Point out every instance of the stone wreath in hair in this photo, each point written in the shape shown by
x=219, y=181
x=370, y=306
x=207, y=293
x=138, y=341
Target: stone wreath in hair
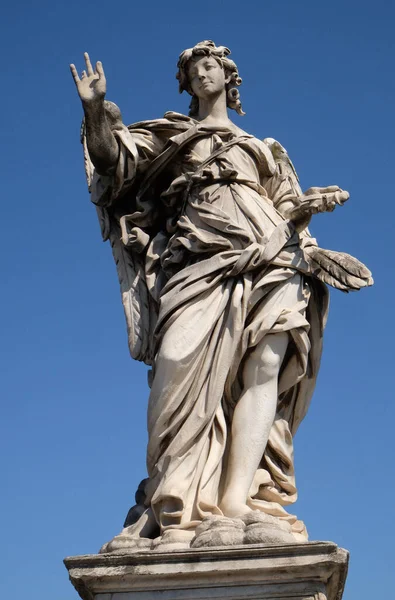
x=220, y=53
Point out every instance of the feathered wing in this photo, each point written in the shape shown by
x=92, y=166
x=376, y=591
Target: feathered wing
x=136, y=300
x=140, y=309
x=337, y=269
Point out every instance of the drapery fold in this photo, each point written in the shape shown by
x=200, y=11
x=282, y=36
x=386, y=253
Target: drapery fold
x=225, y=269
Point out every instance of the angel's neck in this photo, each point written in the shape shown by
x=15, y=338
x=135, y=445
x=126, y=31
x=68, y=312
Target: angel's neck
x=213, y=111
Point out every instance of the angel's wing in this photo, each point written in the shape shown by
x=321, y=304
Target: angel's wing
x=338, y=269
x=140, y=309
x=89, y=168
x=136, y=300
x=285, y=169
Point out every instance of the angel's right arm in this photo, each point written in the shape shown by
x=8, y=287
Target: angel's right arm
x=102, y=145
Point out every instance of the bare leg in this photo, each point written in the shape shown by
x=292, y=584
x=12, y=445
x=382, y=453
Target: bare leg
x=252, y=420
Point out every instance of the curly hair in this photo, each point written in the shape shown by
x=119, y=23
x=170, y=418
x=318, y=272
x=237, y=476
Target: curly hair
x=220, y=53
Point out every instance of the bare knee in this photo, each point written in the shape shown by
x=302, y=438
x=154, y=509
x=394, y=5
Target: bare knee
x=264, y=362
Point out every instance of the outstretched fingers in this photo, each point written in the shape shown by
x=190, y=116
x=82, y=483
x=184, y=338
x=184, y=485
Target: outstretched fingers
x=88, y=63
x=88, y=72
x=100, y=70
x=74, y=73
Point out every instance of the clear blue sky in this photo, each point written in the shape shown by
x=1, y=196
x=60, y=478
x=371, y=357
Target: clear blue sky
x=319, y=77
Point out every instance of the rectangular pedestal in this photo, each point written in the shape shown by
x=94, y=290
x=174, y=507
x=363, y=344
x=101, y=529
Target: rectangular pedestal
x=311, y=571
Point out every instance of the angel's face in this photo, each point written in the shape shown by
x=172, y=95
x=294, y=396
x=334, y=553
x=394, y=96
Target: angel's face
x=206, y=77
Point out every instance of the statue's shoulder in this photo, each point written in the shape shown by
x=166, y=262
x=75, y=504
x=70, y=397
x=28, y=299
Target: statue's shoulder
x=171, y=121
x=261, y=150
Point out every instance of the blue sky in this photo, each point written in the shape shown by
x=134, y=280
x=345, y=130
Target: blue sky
x=316, y=76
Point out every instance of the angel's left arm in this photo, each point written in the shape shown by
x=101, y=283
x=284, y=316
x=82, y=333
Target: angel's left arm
x=337, y=269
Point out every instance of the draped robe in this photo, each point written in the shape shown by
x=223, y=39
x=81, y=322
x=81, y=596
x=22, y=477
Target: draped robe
x=224, y=269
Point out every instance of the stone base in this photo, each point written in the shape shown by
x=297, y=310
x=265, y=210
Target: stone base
x=309, y=571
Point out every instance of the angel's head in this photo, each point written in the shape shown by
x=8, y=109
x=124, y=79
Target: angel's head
x=205, y=69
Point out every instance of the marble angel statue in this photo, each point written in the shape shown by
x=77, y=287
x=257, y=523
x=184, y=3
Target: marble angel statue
x=225, y=296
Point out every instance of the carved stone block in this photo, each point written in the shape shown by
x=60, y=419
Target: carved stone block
x=309, y=571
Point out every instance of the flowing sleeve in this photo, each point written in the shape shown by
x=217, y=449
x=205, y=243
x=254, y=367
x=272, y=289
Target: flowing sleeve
x=137, y=148
x=338, y=269
x=283, y=187
x=114, y=195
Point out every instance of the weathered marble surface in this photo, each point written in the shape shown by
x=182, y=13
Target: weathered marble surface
x=311, y=571
x=225, y=296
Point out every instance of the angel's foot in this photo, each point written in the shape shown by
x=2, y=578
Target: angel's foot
x=253, y=527
x=261, y=528
x=217, y=530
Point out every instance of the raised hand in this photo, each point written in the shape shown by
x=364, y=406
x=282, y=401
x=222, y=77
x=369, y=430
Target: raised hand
x=102, y=146
x=91, y=86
